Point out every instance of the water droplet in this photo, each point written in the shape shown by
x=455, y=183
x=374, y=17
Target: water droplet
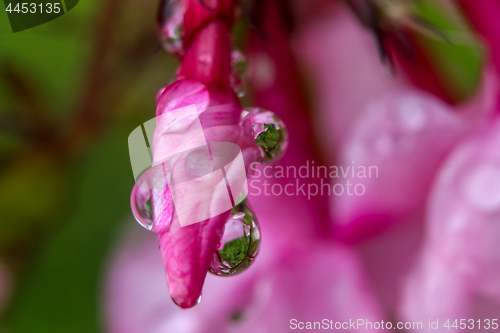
x=412, y=115
x=179, y=305
x=239, y=244
x=170, y=22
x=239, y=77
x=481, y=188
x=268, y=131
x=205, y=59
x=142, y=208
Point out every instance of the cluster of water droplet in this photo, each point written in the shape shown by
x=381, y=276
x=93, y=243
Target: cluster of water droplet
x=241, y=238
x=268, y=131
x=239, y=244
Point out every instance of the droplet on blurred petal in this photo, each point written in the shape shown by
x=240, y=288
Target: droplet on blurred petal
x=481, y=188
x=239, y=244
x=142, y=208
x=268, y=131
x=170, y=22
x=239, y=78
x=198, y=301
x=412, y=116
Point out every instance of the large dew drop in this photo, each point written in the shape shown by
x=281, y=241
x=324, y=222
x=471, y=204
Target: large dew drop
x=140, y=202
x=239, y=244
x=170, y=22
x=268, y=131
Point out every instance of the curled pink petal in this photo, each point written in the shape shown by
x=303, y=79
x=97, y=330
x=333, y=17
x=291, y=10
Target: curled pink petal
x=183, y=93
x=187, y=251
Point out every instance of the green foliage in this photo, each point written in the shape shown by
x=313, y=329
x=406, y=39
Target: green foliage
x=239, y=253
x=460, y=59
x=270, y=140
x=235, y=251
x=148, y=206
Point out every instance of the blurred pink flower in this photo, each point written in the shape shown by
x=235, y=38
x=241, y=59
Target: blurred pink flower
x=364, y=118
x=371, y=119
x=346, y=73
x=297, y=272
x=307, y=281
x=461, y=255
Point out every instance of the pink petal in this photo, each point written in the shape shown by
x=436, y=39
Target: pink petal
x=183, y=93
x=399, y=142
x=461, y=256
x=188, y=251
x=483, y=15
x=343, y=84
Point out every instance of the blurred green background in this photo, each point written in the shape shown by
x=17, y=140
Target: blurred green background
x=71, y=91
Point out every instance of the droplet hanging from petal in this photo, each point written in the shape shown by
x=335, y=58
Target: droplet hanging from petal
x=140, y=202
x=170, y=26
x=239, y=244
x=268, y=131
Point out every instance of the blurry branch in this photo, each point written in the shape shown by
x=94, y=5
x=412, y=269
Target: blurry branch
x=89, y=118
x=25, y=92
x=44, y=169
x=33, y=111
x=120, y=52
